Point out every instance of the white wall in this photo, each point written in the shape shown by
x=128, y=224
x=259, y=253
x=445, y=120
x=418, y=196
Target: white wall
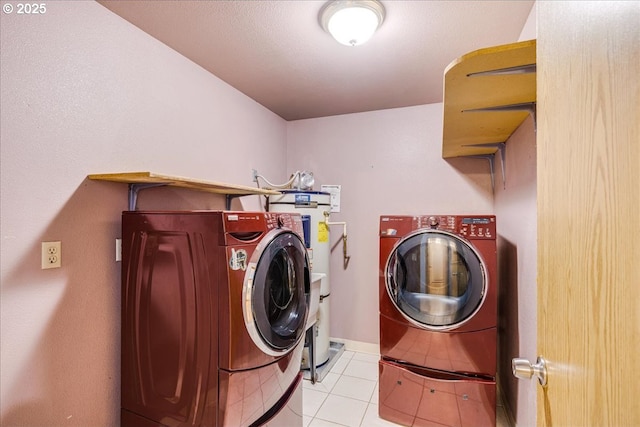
x=388, y=162
x=83, y=91
x=516, y=210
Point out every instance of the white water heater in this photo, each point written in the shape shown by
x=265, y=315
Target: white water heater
x=314, y=206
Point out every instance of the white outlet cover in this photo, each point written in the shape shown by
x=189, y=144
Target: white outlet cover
x=118, y=250
x=51, y=255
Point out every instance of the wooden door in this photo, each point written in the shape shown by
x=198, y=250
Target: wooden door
x=589, y=212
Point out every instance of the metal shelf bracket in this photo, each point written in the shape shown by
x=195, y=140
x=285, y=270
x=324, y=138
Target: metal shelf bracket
x=518, y=69
x=502, y=148
x=228, y=199
x=135, y=188
x=530, y=107
x=142, y=180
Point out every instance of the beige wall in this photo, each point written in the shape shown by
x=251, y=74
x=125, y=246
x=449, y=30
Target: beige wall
x=82, y=92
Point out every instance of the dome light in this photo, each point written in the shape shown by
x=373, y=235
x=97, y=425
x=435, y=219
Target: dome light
x=352, y=22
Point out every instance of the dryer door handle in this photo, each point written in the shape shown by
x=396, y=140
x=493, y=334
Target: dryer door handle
x=392, y=286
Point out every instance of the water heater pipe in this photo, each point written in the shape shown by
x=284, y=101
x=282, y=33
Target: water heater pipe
x=345, y=257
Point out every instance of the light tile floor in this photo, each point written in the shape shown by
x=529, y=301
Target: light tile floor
x=348, y=395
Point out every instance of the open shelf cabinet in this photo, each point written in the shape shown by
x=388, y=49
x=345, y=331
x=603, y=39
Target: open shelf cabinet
x=140, y=180
x=488, y=93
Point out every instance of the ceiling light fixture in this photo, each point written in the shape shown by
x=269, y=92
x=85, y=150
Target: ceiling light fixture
x=352, y=22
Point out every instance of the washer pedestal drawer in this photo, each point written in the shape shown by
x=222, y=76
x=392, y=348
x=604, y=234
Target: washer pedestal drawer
x=415, y=396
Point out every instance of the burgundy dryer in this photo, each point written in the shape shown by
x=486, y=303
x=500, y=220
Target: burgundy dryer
x=438, y=320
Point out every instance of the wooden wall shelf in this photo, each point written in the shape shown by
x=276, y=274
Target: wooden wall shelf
x=488, y=93
x=141, y=180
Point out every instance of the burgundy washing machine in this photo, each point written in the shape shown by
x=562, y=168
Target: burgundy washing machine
x=438, y=320
x=214, y=307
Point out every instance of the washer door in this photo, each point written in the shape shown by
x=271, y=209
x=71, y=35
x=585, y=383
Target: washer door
x=436, y=279
x=276, y=292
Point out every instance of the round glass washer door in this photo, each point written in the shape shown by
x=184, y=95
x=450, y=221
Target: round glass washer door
x=436, y=279
x=275, y=292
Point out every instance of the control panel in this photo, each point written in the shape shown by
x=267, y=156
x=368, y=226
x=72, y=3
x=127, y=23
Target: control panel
x=467, y=226
x=244, y=222
x=260, y=222
x=470, y=227
x=292, y=221
x=398, y=225
x=477, y=227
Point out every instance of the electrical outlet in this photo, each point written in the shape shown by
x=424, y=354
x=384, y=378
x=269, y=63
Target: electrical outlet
x=254, y=175
x=51, y=255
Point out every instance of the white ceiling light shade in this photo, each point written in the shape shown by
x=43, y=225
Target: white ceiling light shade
x=352, y=22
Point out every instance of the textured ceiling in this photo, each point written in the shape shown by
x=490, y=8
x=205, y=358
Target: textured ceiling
x=276, y=52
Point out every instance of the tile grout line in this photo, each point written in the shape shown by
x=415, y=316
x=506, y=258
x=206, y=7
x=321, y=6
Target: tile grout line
x=368, y=404
x=341, y=375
